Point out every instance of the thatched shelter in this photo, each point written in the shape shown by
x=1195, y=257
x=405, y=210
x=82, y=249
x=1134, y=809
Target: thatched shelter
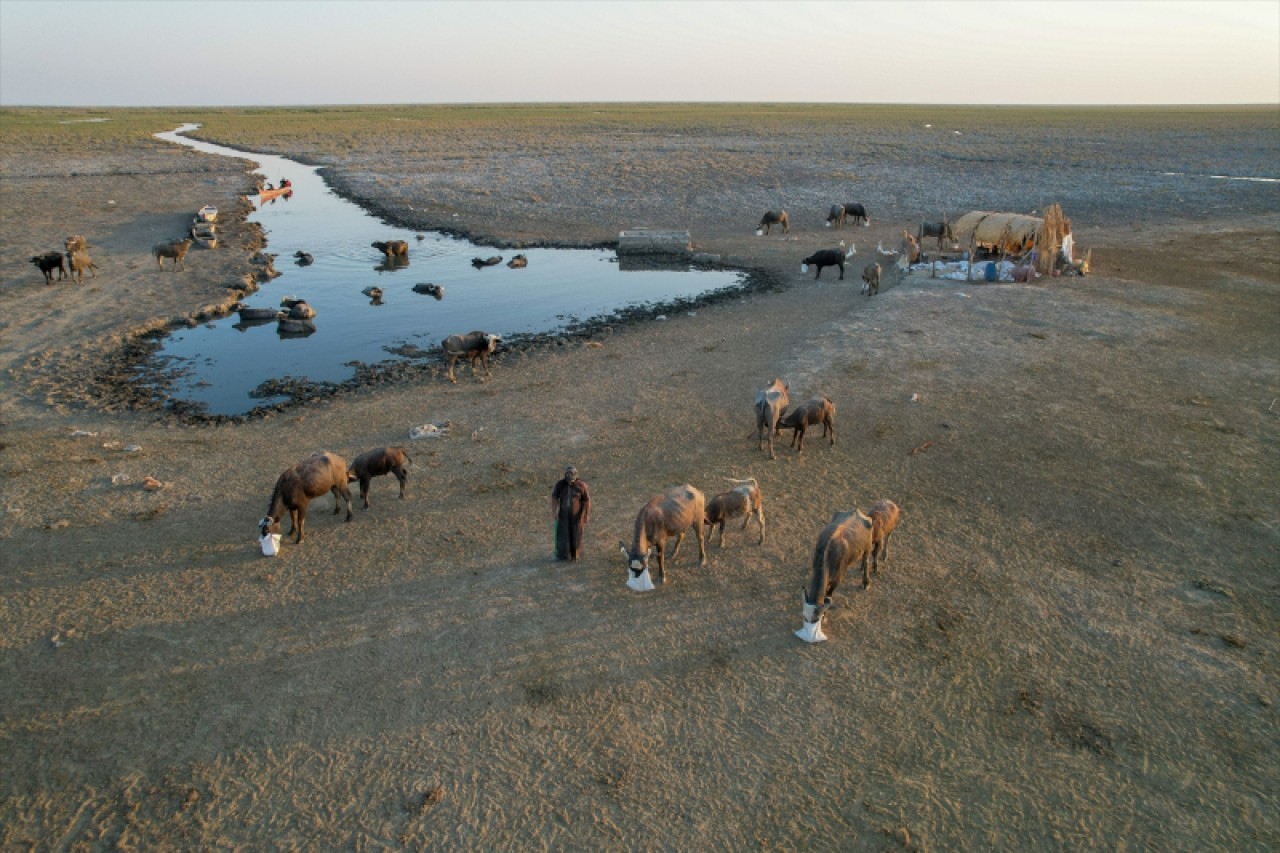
x=1015, y=234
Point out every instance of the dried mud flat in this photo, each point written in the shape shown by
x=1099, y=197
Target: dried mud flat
x=1073, y=645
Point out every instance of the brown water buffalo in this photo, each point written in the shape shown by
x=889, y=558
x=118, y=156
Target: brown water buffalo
x=819, y=410
x=884, y=517
x=871, y=279
x=673, y=513
x=843, y=542
x=391, y=247
x=771, y=402
x=77, y=263
x=376, y=463
x=744, y=501
x=771, y=218
x=176, y=251
x=310, y=478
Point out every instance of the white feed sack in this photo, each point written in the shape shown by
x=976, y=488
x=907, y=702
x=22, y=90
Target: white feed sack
x=270, y=544
x=643, y=583
x=812, y=630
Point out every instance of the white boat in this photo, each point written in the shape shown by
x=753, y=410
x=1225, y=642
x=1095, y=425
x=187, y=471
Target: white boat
x=208, y=213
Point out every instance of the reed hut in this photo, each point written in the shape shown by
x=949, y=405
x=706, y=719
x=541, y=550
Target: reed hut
x=1015, y=234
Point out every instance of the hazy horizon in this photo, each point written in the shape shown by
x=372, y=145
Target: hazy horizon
x=299, y=53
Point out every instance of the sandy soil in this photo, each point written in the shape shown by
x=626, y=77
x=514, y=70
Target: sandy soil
x=1073, y=646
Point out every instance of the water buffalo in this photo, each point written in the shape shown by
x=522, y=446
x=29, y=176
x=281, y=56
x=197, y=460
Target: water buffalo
x=819, y=410
x=884, y=517
x=854, y=213
x=771, y=218
x=303, y=259
x=518, y=262
x=475, y=346
x=391, y=247
x=77, y=263
x=481, y=263
x=825, y=258
x=310, y=478
x=674, y=513
x=177, y=251
x=843, y=542
x=941, y=230
x=376, y=463
x=871, y=279
x=771, y=402
x=47, y=263
x=745, y=500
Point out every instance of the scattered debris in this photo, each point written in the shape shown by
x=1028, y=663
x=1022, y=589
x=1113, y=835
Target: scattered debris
x=430, y=430
x=82, y=433
x=922, y=448
x=151, y=484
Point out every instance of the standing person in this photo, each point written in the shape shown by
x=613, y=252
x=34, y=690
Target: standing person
x=571, y=510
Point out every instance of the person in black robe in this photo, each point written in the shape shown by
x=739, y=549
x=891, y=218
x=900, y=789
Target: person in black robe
x=571, y=510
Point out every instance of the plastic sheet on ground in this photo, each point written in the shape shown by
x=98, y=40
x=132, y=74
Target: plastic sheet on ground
x=959, y=270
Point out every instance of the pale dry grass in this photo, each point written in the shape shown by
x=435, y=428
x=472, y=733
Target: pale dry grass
x=1072, y=645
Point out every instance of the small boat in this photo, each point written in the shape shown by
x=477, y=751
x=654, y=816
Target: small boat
x=251, y=314
x=265, y=194
x=205, y=234
x=208, y=213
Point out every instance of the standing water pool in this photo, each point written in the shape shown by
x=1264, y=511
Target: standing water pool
x=229, y=367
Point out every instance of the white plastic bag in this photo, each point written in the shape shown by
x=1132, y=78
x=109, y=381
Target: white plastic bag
x=643, y=583
x=812, y=632
x=270, y=544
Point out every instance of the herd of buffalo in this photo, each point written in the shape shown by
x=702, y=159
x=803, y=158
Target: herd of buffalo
x=851, y=537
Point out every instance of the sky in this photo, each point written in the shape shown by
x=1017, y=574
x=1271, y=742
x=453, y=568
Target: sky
x=300, y=52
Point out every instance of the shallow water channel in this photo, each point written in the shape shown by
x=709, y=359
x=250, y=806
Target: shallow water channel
x=221, y=367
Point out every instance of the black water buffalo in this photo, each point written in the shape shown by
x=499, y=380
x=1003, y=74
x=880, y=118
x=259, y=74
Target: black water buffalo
x=826, y=258
x=47, y=263
x=473, y=346
x=941, y=230
x=851, y=212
